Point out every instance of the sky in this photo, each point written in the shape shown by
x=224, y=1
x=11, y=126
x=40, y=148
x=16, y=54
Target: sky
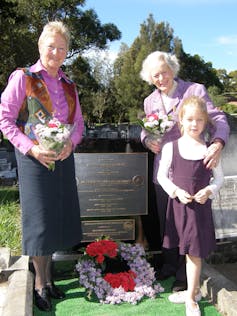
x=205, y=27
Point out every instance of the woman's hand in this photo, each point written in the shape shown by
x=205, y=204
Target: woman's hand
x=45, y=157
x=213, y=154
x=153, y=145
x=183, y=196
x=202, y=195
x=66, y=151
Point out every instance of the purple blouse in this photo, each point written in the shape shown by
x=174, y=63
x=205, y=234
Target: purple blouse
x=14, y=95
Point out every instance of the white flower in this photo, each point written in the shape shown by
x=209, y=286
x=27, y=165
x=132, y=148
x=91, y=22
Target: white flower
x=52, y=135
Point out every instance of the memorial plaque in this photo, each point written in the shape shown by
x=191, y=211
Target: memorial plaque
x=112, y=184
x=118, y=229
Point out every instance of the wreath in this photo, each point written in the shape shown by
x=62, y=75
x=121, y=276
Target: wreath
x=117, y=272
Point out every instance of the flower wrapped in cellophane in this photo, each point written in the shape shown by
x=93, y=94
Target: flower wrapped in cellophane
x=52, y=135
x=156, y=124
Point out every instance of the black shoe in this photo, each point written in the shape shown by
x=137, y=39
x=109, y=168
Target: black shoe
x=54, y=291
x=42, y=301
x=179, y=286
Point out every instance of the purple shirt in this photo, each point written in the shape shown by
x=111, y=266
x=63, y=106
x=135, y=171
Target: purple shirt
x=14, y=95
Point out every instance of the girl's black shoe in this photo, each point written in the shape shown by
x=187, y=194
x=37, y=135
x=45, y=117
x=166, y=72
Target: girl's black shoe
x=42, y=301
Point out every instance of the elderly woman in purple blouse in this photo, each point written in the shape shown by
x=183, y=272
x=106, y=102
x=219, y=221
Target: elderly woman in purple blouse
x=160, y=69
x=49, y=199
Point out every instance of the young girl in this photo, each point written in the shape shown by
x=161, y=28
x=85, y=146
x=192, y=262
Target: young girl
x=189, y=223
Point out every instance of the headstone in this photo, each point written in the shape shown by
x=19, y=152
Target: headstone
x=225, y=203
x=112, y=189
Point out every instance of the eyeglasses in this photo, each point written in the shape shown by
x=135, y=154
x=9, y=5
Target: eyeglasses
x=51, y=48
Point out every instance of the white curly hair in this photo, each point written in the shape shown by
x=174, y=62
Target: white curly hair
x=153, y=59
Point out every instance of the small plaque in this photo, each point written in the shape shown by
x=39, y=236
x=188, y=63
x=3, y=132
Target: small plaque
x=112, y=184
x=119, y=229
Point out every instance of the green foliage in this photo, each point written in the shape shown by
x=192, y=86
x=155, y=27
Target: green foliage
x=133, y=115
x=11, y=36
x=194, y=68
x=130, y=90
x=217, y=98
x=80, y=72
x=21, y=23
x=109, y=94
x=225, y=79
x=233, y=81
x=221, y=100
x=229, y=108
x=10, y=224
x=9, y=194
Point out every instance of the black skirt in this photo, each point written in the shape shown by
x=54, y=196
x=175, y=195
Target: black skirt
x=49, y=205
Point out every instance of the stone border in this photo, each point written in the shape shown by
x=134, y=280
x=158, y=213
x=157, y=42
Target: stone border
x=221, y=291
x=19, y=296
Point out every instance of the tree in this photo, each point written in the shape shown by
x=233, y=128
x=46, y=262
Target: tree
x=233, y=81
x=217, y=98
x=99, y=105
x=194, y=68
x=23, y=23
x=130, y=90
x=10, y=38
x=80, y=72
x=225, y=79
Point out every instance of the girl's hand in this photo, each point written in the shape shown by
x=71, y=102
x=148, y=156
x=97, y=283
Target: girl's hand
x=202, y=195
x=45, y=157
x=183, y=196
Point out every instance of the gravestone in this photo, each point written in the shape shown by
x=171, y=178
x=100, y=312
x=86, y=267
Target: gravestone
x=112, y=190
x=225, y=203
x=8, y=175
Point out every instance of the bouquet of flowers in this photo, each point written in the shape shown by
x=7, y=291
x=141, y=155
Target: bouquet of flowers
x=117, y=272
x=156, y=124
x=52, y=136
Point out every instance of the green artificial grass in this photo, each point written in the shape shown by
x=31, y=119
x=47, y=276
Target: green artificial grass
x=76, y=304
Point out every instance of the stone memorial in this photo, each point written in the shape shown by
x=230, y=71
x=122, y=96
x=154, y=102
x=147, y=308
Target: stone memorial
x=8, y=170
x=112, y=190
x=225, y=203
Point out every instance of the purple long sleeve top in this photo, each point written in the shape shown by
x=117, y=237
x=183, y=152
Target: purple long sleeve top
x=14, y=95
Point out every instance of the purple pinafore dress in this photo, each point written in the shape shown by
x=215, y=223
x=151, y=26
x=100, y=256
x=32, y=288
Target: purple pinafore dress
x=189, y=227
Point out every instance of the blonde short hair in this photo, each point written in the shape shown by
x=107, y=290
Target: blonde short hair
x=196, y=102
x=153, y=59
x=55, y=27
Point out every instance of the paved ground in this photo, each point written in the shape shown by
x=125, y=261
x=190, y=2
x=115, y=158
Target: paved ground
x=229, y=270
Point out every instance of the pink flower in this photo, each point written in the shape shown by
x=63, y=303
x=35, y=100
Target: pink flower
x=51, y=125
x=152, y=117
